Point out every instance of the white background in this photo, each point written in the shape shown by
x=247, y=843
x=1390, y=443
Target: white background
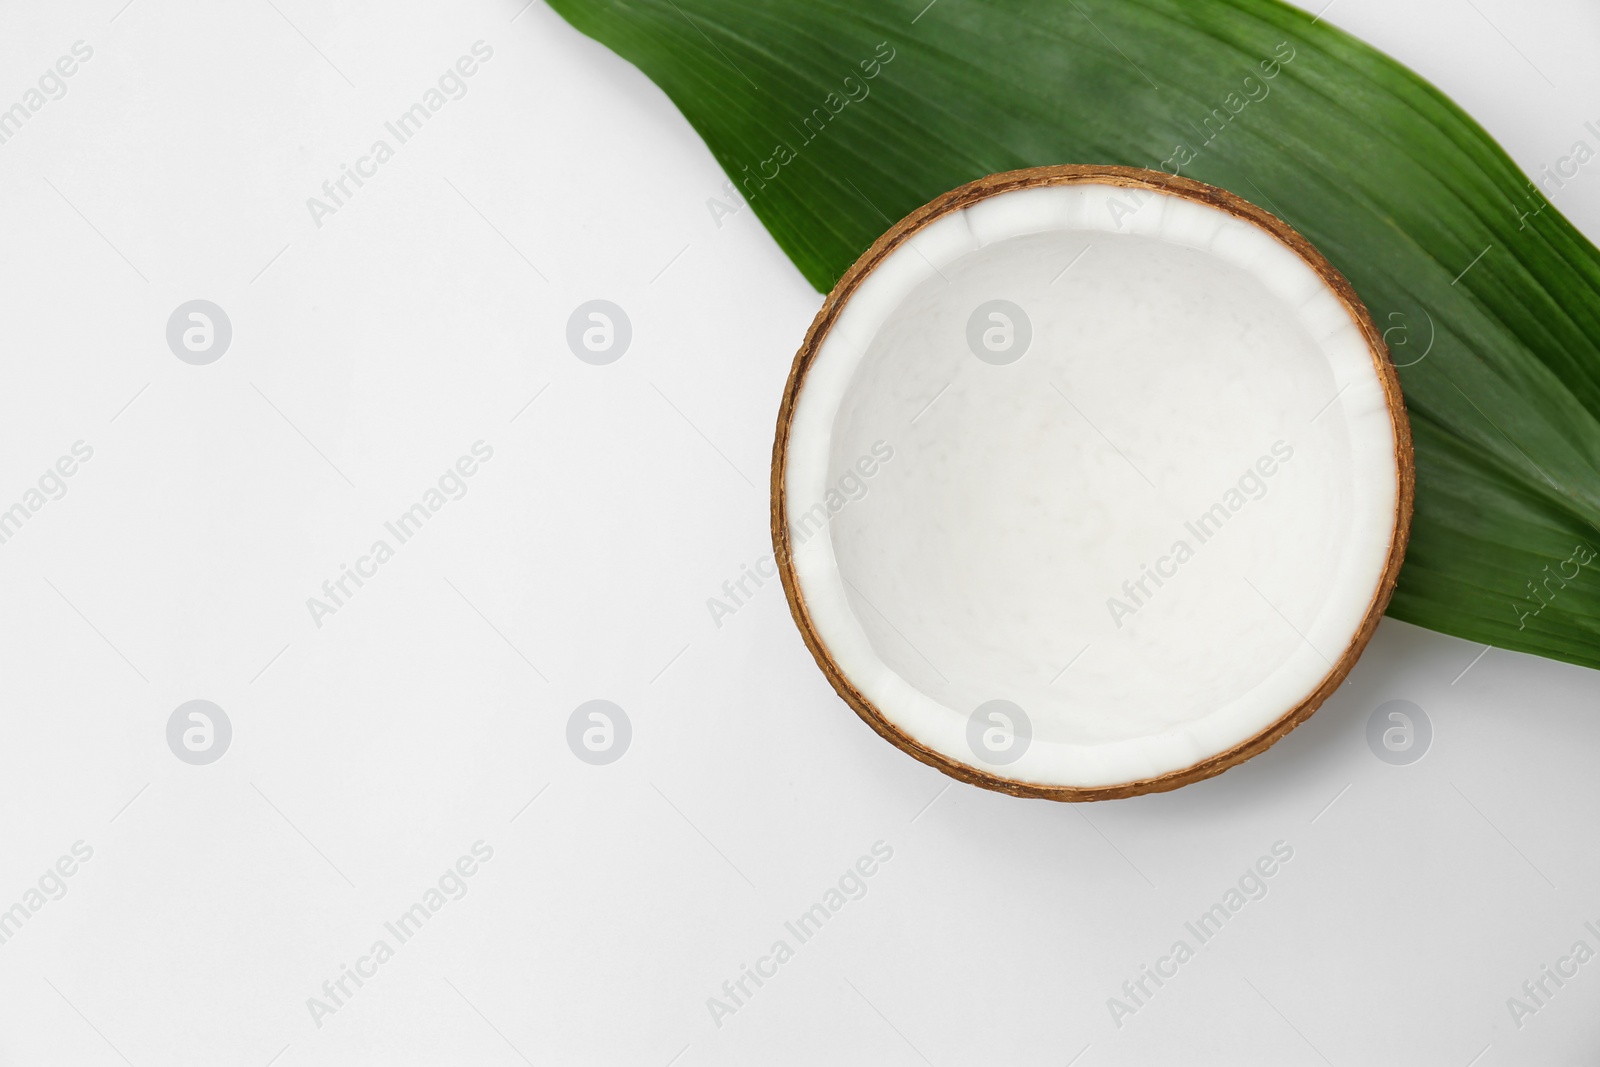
x=370, y=753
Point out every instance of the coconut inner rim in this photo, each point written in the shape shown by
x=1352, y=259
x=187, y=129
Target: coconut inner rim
x=1150, y=526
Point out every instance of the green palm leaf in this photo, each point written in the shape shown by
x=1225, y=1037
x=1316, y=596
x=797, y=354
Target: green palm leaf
x=1444, y=238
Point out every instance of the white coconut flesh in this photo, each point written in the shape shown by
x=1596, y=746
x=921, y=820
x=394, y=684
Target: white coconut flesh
x=1155, y=533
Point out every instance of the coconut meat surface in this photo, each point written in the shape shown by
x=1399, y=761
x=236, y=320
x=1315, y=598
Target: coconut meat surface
x=1086, y=485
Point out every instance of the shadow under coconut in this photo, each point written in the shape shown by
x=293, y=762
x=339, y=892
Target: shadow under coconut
x=1283, y=788
x=1276, y=782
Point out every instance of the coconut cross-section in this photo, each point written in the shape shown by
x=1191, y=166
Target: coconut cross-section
x=1089, y=482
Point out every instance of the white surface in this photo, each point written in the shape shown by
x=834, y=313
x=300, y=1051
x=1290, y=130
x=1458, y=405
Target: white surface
x=1132, y=582
x=407, y=728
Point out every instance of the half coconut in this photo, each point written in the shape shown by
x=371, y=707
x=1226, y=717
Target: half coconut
x=1089, y=482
